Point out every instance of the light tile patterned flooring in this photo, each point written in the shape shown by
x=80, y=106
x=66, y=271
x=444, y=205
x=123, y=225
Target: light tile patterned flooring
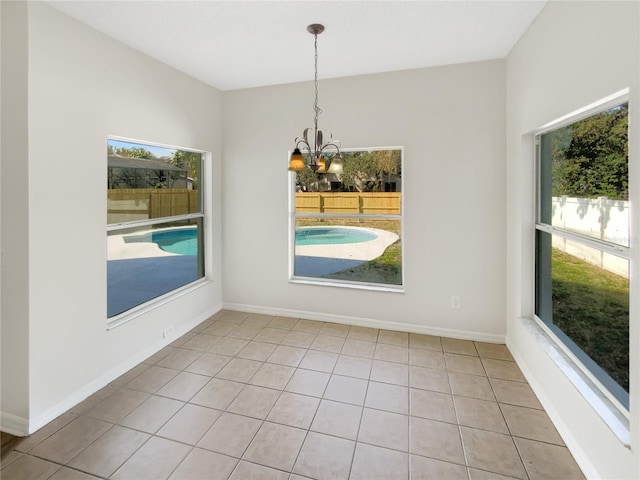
x=247, y=396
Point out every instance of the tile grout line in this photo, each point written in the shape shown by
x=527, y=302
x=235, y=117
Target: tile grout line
x=154, y=434
x=522, y=462
x=410, y=429
x=179, y=463
x=233, y=322
x=268, y=413
x=355, y=443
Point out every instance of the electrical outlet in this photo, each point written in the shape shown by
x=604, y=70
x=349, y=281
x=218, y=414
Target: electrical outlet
x=455, y=302
x=167, y=331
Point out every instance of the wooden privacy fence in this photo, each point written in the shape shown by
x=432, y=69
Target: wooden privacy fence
x=142, y=203
x=372, y=203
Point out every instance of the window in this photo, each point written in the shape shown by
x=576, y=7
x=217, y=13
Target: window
x=155, y=231
x=346, y=228
x=582, y=242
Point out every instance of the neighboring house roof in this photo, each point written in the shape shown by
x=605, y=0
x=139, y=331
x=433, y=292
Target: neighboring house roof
x=142, y=163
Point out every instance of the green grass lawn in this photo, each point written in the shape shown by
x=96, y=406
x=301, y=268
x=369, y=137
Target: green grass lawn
x=386, y=269
x=591, y=306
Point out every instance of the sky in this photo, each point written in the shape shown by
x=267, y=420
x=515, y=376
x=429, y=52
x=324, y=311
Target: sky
x=158, y=152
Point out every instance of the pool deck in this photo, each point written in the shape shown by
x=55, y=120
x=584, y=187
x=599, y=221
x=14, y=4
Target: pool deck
x=134, y=281
x=118, y=249
x=139, y=244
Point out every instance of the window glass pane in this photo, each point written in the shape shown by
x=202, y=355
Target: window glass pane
x=146, y=182
x=148, y=261
x=348, y=224
x=357, y=250
x=583, y=295
x=369, y=185
x=584, y=176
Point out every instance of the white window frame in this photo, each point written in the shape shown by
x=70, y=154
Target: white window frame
x=165, y=298
x=345, y=283
x=620, y=415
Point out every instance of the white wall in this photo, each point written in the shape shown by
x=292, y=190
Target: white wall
x=575, y=53
x=450, y=121
x=82, y=87
x=14, y=300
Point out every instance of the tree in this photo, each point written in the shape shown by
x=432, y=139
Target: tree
x=190, y=161
x=590, y=157
x=133, y=152
x=307, y=180
x=388, y=163
x=361, y=171
x=139, y=152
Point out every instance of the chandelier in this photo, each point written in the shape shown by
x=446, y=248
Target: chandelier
x=315, y=149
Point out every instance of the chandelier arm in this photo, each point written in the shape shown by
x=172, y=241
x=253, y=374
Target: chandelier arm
x=335, y=145
x=304, y=142
x=305, y=135
x=330, y=139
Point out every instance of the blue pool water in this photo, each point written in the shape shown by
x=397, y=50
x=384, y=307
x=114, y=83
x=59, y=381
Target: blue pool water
x=332, y=236
x=183, y=241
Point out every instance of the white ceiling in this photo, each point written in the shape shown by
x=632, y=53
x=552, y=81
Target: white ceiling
x=242, y=44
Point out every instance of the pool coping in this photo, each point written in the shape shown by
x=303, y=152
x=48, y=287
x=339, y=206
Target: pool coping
x=118, y=249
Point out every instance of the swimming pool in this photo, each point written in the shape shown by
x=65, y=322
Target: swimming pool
x=332, y=235
x=182, y=241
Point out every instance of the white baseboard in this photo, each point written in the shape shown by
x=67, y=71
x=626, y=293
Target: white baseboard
x=19, y=426
x=370, y=322
x=14, y=425
x=109, y=376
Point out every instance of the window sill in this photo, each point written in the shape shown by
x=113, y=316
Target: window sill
x=610, y=414
x=357, y=286
x=151, y=305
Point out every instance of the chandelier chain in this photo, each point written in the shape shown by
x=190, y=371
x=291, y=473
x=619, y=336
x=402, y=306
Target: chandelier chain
x=316, y=109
